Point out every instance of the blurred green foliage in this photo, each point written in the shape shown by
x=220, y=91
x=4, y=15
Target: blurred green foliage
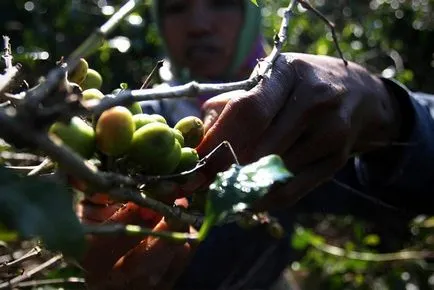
x=342, y=253
x=42, y=31
x=389, y=37
x=393, y=37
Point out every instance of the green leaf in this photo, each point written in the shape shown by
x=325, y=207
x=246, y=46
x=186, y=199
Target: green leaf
x=254, y=2
x=35, y=207
x=235, y=189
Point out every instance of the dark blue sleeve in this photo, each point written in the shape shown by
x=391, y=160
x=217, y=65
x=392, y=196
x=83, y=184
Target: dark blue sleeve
x=403, y=174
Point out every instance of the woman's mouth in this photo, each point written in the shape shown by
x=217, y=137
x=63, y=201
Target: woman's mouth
x=198, y=54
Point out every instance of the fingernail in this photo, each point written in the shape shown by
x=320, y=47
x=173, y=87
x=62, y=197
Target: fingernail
x=211, y=116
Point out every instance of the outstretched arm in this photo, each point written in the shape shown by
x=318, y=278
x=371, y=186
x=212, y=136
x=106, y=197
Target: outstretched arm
x=317, y=114
x=402, y=173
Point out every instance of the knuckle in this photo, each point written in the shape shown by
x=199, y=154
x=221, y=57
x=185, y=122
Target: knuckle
x=252, y=108
x=296, y=62
x=328, y=94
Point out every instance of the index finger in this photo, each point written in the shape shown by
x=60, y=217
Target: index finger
x=245, y=117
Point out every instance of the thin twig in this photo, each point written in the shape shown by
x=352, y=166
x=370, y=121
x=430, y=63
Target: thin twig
x=34, y=252
x=330, y=24
x=149, y=78
x=279, y=41
x=202, y=162
x=373, y=257
x=19, y=157
x=28, y=274
x=7, y=79
x=143, y=200
x=44, y=164
x=5, y=104
x=20, y=168
x=7, y=52
x=11, y=77
x=135, y=230
x=191, y=89
x=367, y=196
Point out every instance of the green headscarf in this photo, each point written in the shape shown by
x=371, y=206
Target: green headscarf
x=249, y=35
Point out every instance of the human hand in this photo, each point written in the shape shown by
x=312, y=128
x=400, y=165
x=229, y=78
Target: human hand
x=122, y=262
x=311, y=110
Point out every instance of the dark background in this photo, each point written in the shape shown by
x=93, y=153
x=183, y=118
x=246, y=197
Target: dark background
x=396, y=36
x=390, y=37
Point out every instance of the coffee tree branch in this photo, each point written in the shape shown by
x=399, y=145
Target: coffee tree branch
x=134, y=230
x=118, y=187
x=330, y=24
x=34, y=252
x=8, y=79
x=28, y=274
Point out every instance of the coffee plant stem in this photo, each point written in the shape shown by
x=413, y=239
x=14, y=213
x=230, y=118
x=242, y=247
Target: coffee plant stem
x=279, y=40
x=330, y=24
x=121, y=188
x=134, y=230
x=64, y=156
x=373, y=257
x=28, y=274
x=44, y=165
x=151, y=75
x=7, y=54
x=74, y=165
x=34, y=252
x=141, y=199
x=191, y=89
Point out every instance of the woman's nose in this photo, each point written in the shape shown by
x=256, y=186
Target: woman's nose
x=200, y=21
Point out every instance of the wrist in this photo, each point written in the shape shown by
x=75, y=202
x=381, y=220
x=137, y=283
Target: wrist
x=386, y=151
x=403, y=108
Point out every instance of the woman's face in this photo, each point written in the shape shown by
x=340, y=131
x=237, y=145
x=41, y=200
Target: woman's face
x=202, y=35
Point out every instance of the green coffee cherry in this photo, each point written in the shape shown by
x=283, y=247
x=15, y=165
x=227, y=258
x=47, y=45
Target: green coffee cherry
x=114, y=131
x=189, y=159
x=135, y=108
x=141, y=120
x=92, y=94
x=178, y=136
x=159, y=118
x=93, y=80
x=77, y=135
x=155, y=148
x=192, y=129
x=78, y=74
